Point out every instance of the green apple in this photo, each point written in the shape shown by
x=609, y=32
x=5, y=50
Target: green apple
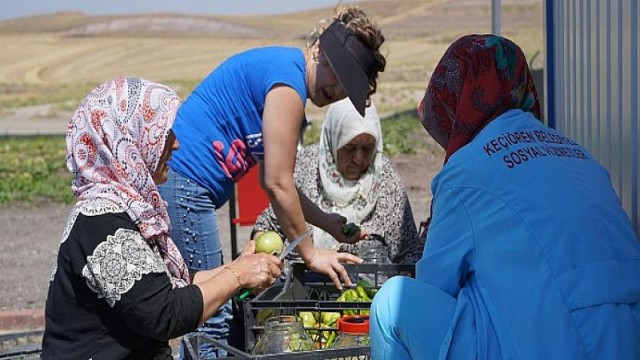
x=269, y=242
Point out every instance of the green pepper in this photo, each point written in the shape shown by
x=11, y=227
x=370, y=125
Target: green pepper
x=364, y=283
x=362, y=293
x=371, y=292
x=330, y=339
x=351, y=295
x=350, y=229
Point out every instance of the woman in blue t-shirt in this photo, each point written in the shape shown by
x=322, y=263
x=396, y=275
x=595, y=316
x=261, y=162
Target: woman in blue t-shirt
x=250, y=110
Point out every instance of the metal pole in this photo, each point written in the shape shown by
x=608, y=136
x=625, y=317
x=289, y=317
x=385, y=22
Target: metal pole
x=549, y=89
x=495, y=17
x=232, y=226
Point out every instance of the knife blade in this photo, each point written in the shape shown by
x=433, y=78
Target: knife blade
x=294, y=243
x=244, y=293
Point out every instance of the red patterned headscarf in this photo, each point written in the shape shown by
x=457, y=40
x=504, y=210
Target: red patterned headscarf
x=479, y=78
x=114, y=142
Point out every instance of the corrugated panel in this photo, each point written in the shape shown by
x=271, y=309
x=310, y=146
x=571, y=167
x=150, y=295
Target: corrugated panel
x=593, y=93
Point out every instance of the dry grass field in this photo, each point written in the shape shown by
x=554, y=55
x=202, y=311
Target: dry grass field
x=58, y=58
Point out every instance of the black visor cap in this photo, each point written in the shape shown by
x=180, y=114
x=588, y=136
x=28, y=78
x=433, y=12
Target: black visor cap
x=353, y=63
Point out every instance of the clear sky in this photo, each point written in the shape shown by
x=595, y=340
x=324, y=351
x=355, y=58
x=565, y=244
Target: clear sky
x=19, y=8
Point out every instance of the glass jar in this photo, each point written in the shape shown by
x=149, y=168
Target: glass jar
x=353, y=331
x=283, y=334
x=378, y=255
x=375, y=255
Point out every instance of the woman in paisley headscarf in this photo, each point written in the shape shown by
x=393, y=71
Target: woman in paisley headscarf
x=347, y=173
x=529, y=252
x=120, y=288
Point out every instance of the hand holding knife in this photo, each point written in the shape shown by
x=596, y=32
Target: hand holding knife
x=244, y=293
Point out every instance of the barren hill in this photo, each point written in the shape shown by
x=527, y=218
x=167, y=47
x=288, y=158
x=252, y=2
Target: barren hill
x=58, y=57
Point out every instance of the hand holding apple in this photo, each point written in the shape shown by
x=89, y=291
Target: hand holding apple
x=270, y=243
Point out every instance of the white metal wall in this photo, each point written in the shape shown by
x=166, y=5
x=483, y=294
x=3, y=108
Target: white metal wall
x=593, y=80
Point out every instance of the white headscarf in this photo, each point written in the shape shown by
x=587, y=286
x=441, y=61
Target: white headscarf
x=353, y=199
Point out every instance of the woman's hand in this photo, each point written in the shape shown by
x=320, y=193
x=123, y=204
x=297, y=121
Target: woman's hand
x=249, y=270
x=249, y=248
x=256, y=271
x=329, y=262
x=334, y=226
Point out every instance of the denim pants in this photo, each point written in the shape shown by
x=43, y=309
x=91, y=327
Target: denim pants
x=195, y=232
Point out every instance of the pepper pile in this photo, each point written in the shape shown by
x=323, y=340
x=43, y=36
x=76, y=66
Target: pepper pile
x=322, y=325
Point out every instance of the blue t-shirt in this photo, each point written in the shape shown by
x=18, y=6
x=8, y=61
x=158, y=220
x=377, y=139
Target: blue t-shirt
x=529, y=236
x=219, y=125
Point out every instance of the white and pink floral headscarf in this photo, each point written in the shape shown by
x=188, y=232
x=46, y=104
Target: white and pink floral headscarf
x=114, y=142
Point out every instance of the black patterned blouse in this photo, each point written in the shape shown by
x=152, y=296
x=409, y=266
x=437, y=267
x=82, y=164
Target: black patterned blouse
x=392, y=217
x=110, y=295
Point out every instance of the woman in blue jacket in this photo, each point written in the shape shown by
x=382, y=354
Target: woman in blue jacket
x=529, y=252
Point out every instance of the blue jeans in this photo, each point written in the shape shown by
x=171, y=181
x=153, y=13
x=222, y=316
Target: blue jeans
x=196, y=234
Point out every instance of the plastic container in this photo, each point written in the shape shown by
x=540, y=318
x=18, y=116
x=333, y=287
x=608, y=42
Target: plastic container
x=353, y=331
x=283, y=334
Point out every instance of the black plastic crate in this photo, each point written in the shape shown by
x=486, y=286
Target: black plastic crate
x=304, y=290
x=193, y=341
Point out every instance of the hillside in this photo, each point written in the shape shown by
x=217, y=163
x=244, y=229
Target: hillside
x=57, y=58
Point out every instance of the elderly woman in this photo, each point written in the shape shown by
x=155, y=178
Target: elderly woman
x=120, y=288
x=529, y=253
x=348, y=174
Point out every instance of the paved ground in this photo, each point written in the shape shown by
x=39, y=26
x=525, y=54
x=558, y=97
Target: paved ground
x=41, y=119
x=30, y=236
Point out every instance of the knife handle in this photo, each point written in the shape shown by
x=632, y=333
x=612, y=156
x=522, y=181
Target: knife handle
x=243, y=294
